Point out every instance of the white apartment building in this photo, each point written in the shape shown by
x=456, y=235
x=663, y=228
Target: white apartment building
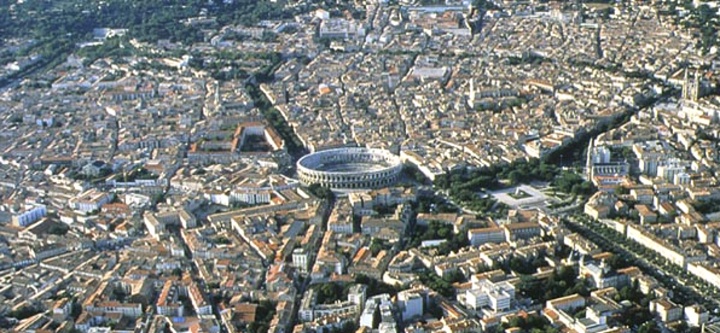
x=335, y=309
x=358, y=295
x=340, y=28
x=132, y=310
x=566, y=302
x=90, y=200
x=301, y=260
x=250, y=196
x=29, y=215
x=708, y=273
x=311, y=311
x=410, y=303
x=341, y=226
x=696, y=315
x=482, y=236
x=595, y=319
x=367, y=318
x=666, y=309
x=485, y=293
x=653, y=243
x=168, y=303
x=155, y=223
x=202, y=307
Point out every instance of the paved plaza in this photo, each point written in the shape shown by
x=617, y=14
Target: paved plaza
x=531, y=199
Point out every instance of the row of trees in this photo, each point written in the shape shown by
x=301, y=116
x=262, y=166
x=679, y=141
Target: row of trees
x=294, y=145
x=489, y=177
x=611, y=240
x=23, y=312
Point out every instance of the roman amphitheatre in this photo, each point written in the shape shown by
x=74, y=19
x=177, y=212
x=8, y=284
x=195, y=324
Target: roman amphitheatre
x=350, y=168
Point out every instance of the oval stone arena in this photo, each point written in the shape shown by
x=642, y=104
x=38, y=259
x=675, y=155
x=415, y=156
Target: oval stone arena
x=350, y=168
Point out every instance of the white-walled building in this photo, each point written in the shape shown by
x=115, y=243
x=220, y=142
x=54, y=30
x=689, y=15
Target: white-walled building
x=485, y=293
x=410, y=303
x=481, y=236
x=30, y=214
x=90, y=200
x=666, y=310
x=168, y=303
x=301, y=260
x=637, y=234
x=200, y=304
x=696, y=315
x=708, y=273
x=367, y=318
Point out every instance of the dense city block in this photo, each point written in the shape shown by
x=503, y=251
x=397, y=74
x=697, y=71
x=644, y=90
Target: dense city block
x=369, y=166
